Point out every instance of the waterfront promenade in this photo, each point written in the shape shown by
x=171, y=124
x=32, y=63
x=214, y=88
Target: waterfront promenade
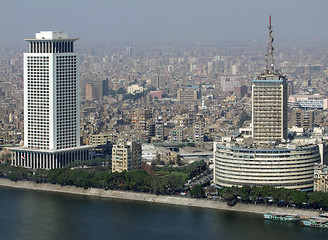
x=174, y=200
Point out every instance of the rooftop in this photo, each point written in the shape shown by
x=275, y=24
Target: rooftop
x=51, y=35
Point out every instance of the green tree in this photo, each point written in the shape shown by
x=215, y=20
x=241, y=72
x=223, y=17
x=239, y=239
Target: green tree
x=173, y=182
x=19, y=174
x=5, y=158
x=157, y=186
x=158, y=159
x=197, y=191
x=40, y=176
x=230, y=195
x=299, y=197
x=178, y=160
x=121, y=91
x=319, y=200
x=245, y=192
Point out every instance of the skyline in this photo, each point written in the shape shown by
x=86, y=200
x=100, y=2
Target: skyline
x=135, y=22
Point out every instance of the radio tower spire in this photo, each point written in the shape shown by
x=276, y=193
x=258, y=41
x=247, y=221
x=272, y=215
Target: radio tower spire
x=269, y=55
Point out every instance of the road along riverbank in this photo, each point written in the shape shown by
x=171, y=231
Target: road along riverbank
x=145, y=197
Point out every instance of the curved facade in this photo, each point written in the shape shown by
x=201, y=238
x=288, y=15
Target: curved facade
x=291, y=168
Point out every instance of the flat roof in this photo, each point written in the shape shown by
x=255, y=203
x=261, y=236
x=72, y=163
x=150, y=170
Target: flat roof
x=51, y=35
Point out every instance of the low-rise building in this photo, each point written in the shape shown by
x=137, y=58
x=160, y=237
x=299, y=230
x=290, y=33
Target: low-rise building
x=102, y=138
x=320, y=181
x=126, y=156
x=134, y=89
x=189, y=94
x=315, y=101
x=302, y=118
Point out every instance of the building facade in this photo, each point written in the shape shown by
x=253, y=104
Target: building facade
x=159, y=128
x=269, y=108
x=51, y=104
x=199, y=128
x=302, y=118
x=188, y=94
x=140, y=118
x=320, y=178
x=285, y=166
x=228, y=83
x=126, y=156
x=103, y=138
x=315, y=101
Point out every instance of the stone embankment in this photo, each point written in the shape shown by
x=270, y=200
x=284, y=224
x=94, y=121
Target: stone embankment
x=174, y=200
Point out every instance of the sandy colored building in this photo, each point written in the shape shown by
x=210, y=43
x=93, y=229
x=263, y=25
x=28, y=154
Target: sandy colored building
x=126, y=156
x=320, y=178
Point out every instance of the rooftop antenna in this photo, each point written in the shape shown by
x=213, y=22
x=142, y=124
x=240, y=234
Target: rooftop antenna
x=269, y=55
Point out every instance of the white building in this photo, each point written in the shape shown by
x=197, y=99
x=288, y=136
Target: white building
x=315, y=101
x=134, y=89
x=51, y=104
x=228, y=83
x=284, y=165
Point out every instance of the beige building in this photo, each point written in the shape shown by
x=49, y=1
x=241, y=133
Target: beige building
x=93, y=91
x=269, y=101
x=199, y=127
x=320, y=178
x=302, y=118
x=140, y=118
x=126, y=156
x=102, y=138
x=188, y=94
x=269, y=108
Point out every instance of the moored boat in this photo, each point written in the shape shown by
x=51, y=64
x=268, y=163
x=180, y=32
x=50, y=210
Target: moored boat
x=324, y=215
x=283, y=217
x=319, y=222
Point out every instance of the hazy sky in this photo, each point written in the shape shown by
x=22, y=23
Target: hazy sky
x=169, y=20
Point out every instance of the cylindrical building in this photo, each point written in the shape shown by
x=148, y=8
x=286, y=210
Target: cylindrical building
x=283, y=165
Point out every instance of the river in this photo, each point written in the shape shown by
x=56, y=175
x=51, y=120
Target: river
x=26, y=214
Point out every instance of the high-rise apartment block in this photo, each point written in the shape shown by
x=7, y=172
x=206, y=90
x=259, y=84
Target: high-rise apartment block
x=96, y=90
x=159, y=128
x=199, y=127
x=140, y=118
x=51, y=104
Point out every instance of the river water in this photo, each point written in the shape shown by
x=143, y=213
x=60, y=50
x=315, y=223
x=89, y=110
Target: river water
x=26, y=214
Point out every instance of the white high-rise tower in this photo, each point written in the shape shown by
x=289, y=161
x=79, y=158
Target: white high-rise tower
x=51, y=104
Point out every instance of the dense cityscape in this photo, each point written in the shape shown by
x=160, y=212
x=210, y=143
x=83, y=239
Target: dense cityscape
x=190, y=120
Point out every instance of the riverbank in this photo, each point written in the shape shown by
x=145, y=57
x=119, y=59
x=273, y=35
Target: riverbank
x=145, y=197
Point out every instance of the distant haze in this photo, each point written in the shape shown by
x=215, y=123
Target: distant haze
x=135, y=21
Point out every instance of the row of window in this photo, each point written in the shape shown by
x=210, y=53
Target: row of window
x=270, y=184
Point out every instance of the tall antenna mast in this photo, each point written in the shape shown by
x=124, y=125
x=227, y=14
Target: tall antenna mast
x=269, y=55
